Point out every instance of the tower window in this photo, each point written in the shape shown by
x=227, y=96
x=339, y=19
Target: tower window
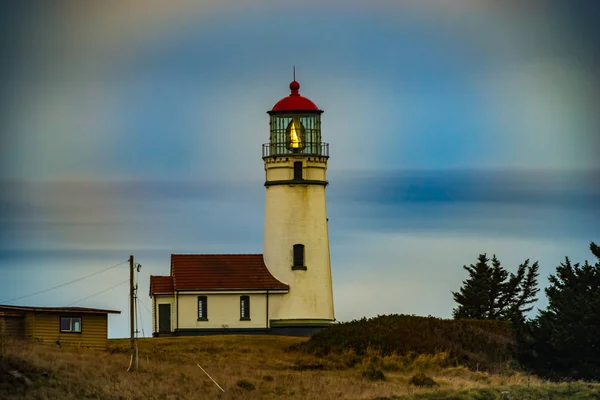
x=202, y=309
x=298, y=170
x=245, y=308
x=298, y=257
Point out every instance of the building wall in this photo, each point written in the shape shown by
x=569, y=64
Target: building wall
x=297, y=214
x=30, y=324
x=223, y=311
x=94, y=329
x=12, y=326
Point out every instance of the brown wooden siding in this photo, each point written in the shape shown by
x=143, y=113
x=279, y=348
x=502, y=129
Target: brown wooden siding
x=94, y=330
x=29, y=324
x=12, y=326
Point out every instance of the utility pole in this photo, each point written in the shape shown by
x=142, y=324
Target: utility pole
x=137, y=328
x=131, y=305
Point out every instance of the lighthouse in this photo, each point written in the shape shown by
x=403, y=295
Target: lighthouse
x=296, y=237
x=286, y=290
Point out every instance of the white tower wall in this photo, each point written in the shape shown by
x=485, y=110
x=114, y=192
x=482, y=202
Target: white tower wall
x=296, y=213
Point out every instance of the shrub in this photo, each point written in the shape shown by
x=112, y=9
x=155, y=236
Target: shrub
x=246, y=385
x=481, y=377
x=484, y=345
x=307, y=365
x=349, y=358
x=420, y=379
x=372, y=373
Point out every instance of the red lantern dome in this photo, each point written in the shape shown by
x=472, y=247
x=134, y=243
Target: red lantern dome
x=295, y=102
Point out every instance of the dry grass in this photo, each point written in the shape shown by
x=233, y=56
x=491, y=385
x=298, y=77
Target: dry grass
x=247, y=367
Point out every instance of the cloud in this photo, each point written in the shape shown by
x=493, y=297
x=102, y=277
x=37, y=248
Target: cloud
x=184, y=93
x=190, y=214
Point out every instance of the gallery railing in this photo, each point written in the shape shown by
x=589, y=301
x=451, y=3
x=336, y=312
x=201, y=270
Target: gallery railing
x=282, y=149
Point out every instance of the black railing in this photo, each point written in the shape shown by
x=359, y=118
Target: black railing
x=283, y=149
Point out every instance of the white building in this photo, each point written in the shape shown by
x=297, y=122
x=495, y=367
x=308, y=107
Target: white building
x=287, y=289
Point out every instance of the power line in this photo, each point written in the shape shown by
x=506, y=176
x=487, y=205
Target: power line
x=90, y=296
x=146, y=307
x=96, y=294
x=141, y=320
x=63, y=284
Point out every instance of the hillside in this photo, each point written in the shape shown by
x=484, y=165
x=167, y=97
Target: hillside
x=476, y=344
x=250, y=367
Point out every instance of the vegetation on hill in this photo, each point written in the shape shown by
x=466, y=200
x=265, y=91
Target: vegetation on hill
x=478, y=345
x=251, y=367
x=561, y=341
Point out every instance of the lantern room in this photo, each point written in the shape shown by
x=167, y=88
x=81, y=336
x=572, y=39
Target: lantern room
x=295, y=127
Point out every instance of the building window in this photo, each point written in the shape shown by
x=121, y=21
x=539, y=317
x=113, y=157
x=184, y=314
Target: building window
x=245, y=308
x=70, y=324
x=298, y=257
x=298, y=170
x=202, y=309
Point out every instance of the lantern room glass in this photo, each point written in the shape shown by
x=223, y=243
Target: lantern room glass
x=295, y=134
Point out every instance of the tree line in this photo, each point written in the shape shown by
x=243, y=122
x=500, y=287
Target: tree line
x=559, y=341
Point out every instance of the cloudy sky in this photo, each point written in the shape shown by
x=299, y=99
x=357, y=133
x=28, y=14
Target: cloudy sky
x=455, y=128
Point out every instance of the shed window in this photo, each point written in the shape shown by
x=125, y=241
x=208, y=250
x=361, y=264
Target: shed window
x=298, y=170
x=70, y=324
x=202, y=308
x=298, y=257
x=245, y=308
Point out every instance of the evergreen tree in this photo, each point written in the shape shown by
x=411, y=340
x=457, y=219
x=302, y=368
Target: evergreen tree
x=473, y=296
x=491, y=292
x=520, y=292
x=595, y=249
x=564, y=339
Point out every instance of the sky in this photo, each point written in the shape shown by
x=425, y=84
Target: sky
x=455, y=128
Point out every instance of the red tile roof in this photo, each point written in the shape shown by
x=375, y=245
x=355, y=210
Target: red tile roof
x=216, y=272
x=161, y=284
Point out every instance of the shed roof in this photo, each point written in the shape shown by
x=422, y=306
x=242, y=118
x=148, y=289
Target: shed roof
x=191, y=272
x=86, y=310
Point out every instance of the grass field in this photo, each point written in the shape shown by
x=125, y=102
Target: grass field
x=252, y=367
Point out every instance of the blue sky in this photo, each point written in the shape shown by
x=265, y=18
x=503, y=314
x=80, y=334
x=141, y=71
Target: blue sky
x=455, y=128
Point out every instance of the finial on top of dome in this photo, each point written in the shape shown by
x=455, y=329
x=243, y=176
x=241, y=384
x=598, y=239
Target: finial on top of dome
x=294, y=86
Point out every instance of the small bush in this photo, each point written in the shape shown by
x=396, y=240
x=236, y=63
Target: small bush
x=246, y=385
x=481, y=377
x=268, y=378
x=308, y=365
x=349, y=358
x=372, y=373
x=460, y=372
x=420, y=379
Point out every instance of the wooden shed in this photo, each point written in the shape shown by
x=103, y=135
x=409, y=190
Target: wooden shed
x=78, y=326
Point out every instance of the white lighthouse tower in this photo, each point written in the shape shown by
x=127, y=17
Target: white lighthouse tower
x=296, y=241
